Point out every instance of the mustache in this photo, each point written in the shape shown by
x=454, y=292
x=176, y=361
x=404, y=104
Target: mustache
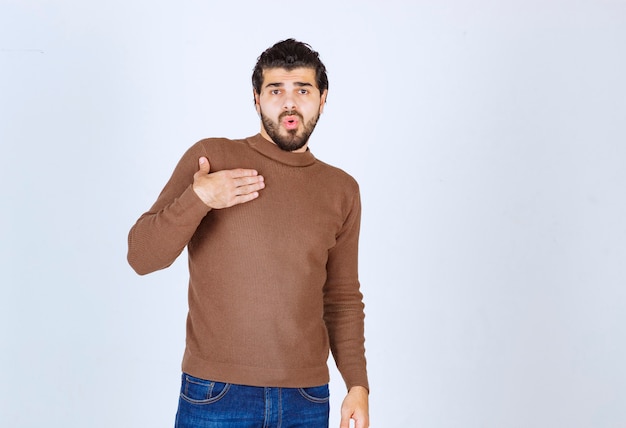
x=291, y=113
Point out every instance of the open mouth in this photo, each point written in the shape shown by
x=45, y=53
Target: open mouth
x=291, y=122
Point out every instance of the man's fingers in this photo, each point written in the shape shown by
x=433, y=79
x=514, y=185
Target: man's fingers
x=245, y=198
x=254, y=181
x=241, y=173
x=358, y=421
x=225, y=188
x=345, y=419
x=205, y=167
x=361, y=423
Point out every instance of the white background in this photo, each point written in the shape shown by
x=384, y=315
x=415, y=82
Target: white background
x=488, y=138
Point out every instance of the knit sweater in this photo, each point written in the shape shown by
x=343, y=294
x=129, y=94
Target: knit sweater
x=273, y=282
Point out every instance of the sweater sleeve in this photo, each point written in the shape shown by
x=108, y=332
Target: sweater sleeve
x=160, y=235
x=343, y=301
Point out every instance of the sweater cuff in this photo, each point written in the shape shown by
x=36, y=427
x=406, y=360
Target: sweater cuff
x=191, y=205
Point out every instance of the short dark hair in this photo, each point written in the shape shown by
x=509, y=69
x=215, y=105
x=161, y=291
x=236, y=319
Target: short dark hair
x=289, y=54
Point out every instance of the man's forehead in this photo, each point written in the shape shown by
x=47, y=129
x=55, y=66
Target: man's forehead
x=276, y=75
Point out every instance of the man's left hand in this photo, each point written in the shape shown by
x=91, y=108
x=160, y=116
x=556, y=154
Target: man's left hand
x=355, y=406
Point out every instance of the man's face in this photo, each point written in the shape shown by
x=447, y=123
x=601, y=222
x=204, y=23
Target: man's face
x=290, y=104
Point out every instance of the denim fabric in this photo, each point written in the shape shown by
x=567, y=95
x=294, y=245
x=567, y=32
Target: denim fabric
x=208, y=404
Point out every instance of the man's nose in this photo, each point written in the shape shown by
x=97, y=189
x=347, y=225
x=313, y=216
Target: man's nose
x=289, y=103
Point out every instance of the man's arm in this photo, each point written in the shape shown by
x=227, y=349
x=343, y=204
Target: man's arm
x=160, y=235
x=344, y=317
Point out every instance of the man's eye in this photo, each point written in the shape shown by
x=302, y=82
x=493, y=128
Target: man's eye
x=303, y=91
x=275, y=91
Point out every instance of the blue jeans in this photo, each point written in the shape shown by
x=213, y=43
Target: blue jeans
x=208, y=404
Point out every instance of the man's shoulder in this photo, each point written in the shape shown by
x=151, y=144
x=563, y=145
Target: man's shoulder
x=337, y=175
x=223, y=153
x=333, y=169
x=219, y=142
x=220, y=146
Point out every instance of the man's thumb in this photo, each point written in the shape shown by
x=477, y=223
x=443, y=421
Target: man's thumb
x=205, y=167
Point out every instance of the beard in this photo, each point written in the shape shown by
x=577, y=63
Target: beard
x=295, y=139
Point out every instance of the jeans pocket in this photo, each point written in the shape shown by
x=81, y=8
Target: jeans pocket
x=316, y=394
x=201, y=391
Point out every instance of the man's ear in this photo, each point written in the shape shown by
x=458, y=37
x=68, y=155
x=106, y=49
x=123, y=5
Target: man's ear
x=323, y=100
x=257, y=104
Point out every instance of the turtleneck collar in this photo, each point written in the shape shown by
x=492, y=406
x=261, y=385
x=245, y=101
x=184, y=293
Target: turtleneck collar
x=272, y=151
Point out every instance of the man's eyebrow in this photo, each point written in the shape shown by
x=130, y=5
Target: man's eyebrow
x=280, y=84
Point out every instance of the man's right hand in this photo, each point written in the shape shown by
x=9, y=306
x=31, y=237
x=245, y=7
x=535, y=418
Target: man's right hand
x=223, y=189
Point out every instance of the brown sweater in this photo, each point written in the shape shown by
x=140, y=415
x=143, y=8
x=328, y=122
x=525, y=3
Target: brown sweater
x=273, y=282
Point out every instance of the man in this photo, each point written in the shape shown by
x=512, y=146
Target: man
x=272, y=239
